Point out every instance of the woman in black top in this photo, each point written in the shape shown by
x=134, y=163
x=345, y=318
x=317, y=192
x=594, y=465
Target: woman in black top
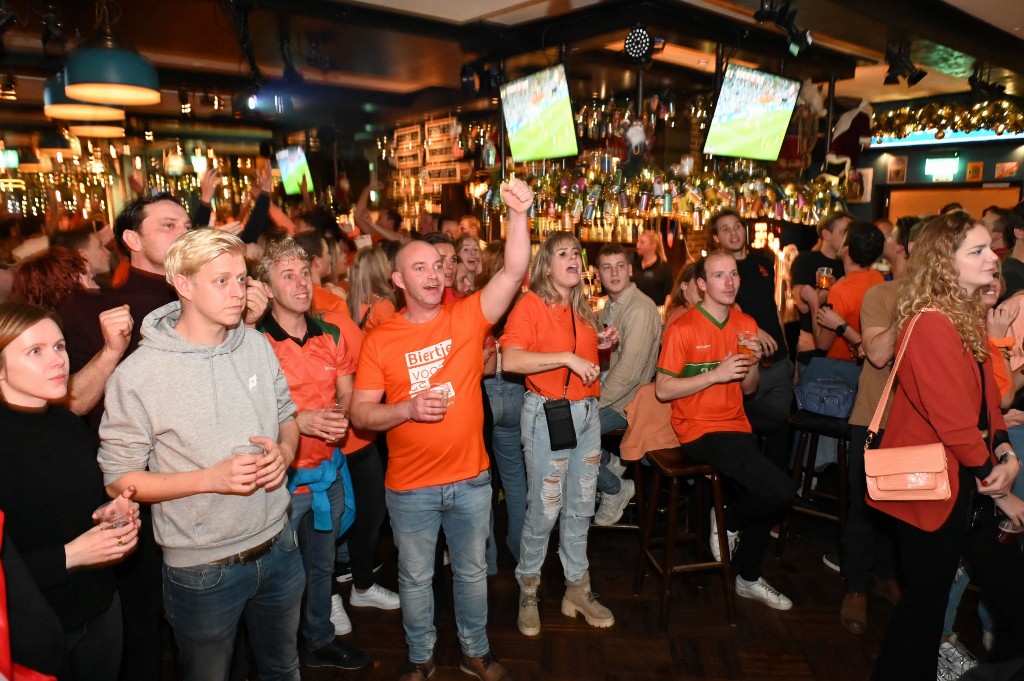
x=651, y=272
x=50, y=485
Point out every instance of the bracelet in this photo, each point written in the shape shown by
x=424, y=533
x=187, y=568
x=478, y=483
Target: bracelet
x=1005, y=456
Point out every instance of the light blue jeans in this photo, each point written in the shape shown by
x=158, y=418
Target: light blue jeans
x=317, y=550
x=463, y=509
x=205, y=603
x=608, y=482
x=561, y=487
x=506, y=400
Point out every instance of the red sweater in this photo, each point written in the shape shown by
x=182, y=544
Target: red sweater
x=938, y=399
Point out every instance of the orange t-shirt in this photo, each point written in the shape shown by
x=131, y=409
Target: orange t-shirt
x=325, y=301
x=355, y=439
x=382, y=311
x=846, y=298
x=695, y=344
x=535, y=326
x=312, y=369
x=403, y=358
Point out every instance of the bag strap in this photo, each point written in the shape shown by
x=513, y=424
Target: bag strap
x=366, y=315
x=568, y=371
x=876, y=419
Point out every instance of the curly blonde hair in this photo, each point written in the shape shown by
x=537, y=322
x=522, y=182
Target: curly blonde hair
x=540, y=277
x=932, y=281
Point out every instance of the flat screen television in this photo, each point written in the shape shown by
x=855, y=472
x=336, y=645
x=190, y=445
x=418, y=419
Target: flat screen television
x=752, y=114
x=292, y=163
x=538, y=116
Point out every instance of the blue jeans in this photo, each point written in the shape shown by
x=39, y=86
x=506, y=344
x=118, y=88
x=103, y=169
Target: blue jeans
x=608, y=482
x=317, y=550
x=561, y=486
x=204, y=604
x=1016, y=434
x=506, y=400
x=462, y=508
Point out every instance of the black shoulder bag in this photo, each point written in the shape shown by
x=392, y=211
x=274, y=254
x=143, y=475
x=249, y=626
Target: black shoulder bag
x=561, y=430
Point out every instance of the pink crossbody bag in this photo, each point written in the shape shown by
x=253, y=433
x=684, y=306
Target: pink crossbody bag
x=915, y=473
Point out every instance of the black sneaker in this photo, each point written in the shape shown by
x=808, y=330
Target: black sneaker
x=337, y=654
x=343, y=571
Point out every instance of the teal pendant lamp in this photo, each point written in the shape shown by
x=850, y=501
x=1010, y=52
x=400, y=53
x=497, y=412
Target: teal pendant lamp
x=107, y=72
x=105, y=129
x=56, y=104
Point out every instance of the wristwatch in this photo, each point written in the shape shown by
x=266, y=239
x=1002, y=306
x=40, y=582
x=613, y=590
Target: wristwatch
x=1002, y=458
x=841, y=329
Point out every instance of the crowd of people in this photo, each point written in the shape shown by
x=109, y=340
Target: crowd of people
x=225, y=427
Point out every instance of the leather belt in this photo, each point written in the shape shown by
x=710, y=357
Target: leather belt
x=249, y=555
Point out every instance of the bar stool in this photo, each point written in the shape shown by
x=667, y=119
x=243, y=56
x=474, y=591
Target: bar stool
x=811, y=427
x=673, y=465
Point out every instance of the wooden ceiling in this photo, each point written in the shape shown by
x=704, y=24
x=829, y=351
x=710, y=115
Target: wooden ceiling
x=369, y=65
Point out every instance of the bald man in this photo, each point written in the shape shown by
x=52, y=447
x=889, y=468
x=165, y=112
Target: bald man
x=419, y=379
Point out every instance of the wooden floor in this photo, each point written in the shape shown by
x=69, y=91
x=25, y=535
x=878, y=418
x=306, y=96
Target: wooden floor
x=806, y=642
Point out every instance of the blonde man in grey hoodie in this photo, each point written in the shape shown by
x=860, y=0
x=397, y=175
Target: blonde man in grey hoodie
x=178, y=411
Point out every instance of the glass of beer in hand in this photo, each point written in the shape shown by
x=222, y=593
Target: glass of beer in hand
x=823, y=278
x=745, y=341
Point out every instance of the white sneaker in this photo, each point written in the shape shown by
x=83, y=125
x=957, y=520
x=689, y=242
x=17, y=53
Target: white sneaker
x=613, y=505
x=374, y=597
x=764, y=592
x=956, y=657
x=988, y=640
x=339, y=618
x=732, y=539
x=616, y=466
x=944, y=674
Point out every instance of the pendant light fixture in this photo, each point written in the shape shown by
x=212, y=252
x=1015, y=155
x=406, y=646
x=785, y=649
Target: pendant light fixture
x=107, y=72
x=105, y=129
x=57, y=104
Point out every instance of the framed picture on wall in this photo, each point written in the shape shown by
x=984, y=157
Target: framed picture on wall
x=858, y=185
x=897, y=170
x=975, y=170
x=1008, y=169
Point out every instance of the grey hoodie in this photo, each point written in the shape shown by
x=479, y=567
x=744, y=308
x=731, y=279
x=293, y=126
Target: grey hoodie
x=177, y=406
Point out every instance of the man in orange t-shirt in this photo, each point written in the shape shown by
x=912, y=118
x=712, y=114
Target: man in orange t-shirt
x=709, y=360
x=419, y=379
x=837, y=324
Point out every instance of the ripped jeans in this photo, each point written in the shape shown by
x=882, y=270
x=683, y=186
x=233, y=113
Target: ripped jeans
x=560, y=487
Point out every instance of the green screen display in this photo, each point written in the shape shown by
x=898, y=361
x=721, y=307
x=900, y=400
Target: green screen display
x=292, y=163
x=538, y=116
x=752, y=114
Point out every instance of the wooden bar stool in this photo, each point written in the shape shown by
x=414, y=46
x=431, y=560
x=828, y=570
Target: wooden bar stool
x=811, y=427
x=672, y=465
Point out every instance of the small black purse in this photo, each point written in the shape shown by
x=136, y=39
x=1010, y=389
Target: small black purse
x=561, y=429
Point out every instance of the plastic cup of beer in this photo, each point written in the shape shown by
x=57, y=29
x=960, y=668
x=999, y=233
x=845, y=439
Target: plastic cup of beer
x=823, y=278
x=114, y=513
x=248, y=449
x=1009, y=532
x=604, y=350
x=743, y=339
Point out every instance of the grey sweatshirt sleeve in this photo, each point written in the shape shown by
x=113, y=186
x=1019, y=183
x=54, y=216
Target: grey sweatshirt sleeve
x=125, y=438
x=286, y=409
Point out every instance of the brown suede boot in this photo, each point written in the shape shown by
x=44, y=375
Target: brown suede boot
x=853, y=615
x=580, y=599
x=529, y=617
x=485, y=668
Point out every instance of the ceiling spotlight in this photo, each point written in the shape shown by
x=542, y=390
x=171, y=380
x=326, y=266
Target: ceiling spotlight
x=53, y=32
x=640, y=46
x=469, y=79
x=981, y=89
x=901, y=66
x=785, y=18
x=8, y=88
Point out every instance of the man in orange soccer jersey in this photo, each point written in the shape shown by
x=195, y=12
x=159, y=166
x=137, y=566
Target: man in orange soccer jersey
x=419, y=379
x=709, y=360
x=319, y=371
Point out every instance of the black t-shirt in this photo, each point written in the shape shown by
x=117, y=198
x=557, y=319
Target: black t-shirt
x=655, y=281
x=756, y=296
x=803, y=271
x=1013, y=274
